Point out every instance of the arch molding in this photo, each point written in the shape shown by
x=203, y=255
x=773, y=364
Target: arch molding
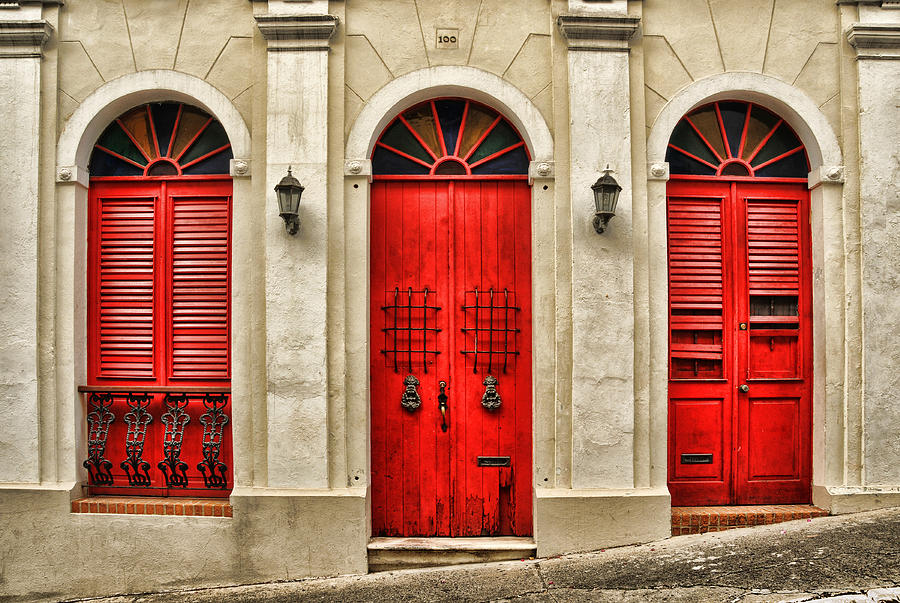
x=117, y=96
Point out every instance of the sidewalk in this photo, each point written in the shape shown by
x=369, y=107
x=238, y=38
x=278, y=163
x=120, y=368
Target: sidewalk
x=801, y=560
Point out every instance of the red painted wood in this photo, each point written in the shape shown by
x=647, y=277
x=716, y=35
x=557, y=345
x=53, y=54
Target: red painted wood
x=774, y=421
x=450, y=236
x=159, y=309
x=733, y=247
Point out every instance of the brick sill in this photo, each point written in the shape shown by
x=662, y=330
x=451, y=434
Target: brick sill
x=701, y=520
x=129, y=505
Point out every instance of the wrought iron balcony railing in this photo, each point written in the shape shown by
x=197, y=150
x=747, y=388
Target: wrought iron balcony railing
x=158, y=440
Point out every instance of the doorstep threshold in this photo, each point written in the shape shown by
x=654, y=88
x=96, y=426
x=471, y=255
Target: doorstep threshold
x=387, y=554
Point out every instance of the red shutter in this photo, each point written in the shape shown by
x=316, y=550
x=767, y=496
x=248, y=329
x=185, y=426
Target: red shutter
x=773, y=248
x=773, y=285
x=199, y=287
x=695, y=287
x=124, y=303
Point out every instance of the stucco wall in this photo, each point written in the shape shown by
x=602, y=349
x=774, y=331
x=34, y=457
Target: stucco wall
x=100, y=40
x=389, y=38
x=51, y=554
x=795, y=41
x=880, y=222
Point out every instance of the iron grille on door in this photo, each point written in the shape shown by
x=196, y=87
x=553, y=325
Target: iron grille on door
x=491, y=322
x=406, y=338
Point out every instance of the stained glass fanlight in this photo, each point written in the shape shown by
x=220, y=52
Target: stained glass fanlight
x=450, y=137
x=162, y=139
x=734, y=138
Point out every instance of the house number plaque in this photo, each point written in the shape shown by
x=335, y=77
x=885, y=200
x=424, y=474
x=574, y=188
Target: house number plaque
x=447, y=38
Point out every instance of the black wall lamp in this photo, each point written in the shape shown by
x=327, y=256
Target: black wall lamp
x=606, y=195
x=289, y=191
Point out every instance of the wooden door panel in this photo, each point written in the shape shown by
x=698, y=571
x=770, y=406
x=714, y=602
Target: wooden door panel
x=700, y=346
x=492, y=256
x=408, y=315
x=773, y=355
x=773, y=436
x=451, y=238
x=700, y=449
x=473, y=272
x=740, y=314
x=773, y=464
x=699, y=428
x=774, y=459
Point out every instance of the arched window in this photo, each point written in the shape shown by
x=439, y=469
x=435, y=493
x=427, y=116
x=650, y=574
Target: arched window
x=736, y=138
x=162, y=139
x=450, y=137
x=159, y=230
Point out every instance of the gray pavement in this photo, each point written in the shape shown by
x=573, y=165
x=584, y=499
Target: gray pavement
x=852, y=557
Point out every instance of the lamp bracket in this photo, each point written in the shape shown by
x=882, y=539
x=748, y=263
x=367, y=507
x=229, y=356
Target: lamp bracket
x=291, y=224
x=600, y=222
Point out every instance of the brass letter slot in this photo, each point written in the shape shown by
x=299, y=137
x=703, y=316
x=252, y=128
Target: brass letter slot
x=696, y=459
x=493, y=461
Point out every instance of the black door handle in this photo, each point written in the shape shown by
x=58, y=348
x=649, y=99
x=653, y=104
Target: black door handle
x=442, y=405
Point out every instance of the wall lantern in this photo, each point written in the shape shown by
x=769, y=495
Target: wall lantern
x=606, y=195
x=289, y=191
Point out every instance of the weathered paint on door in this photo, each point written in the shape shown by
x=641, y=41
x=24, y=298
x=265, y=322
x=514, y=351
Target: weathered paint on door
x=740, y=342
x=451, y=303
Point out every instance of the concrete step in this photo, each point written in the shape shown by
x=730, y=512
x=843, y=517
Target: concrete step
x=404, y=553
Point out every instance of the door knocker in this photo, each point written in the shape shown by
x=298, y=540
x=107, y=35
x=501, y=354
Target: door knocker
x=410, y=399
x=491, y=399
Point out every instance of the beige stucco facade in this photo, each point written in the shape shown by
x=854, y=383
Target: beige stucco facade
x=311, y=84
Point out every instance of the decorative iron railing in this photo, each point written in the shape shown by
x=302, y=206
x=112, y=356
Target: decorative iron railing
x=158, y=440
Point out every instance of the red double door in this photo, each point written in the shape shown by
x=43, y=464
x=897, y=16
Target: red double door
x=740, y=343
x=450, y=348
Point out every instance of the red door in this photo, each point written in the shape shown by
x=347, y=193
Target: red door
x=740, y=342
x=451, y=330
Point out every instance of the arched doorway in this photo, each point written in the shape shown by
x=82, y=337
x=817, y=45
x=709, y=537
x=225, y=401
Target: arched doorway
x=159, y=266
x=740, y=313
x=450, y=316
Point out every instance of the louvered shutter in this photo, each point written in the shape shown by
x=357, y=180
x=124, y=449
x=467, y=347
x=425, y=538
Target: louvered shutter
x=773, y=286
x=773, y=248
x=199, y=287
x=695, y=287
x=124, y=303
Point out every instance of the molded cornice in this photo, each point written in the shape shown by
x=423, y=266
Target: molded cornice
x=14, y=4
x=598, y=32
x=23, y=39
x=297, y=32
x=875, y=40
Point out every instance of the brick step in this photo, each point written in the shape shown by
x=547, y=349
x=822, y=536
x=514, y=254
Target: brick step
x=700, y=520
x=132, y=505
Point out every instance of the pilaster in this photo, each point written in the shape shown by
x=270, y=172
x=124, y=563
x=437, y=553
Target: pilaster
x=603, y=266
x=22, y=37
x=296, y=266
x=877, y=45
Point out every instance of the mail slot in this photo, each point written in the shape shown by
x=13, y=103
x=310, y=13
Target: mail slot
x=493, y=461
x=696, y=459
